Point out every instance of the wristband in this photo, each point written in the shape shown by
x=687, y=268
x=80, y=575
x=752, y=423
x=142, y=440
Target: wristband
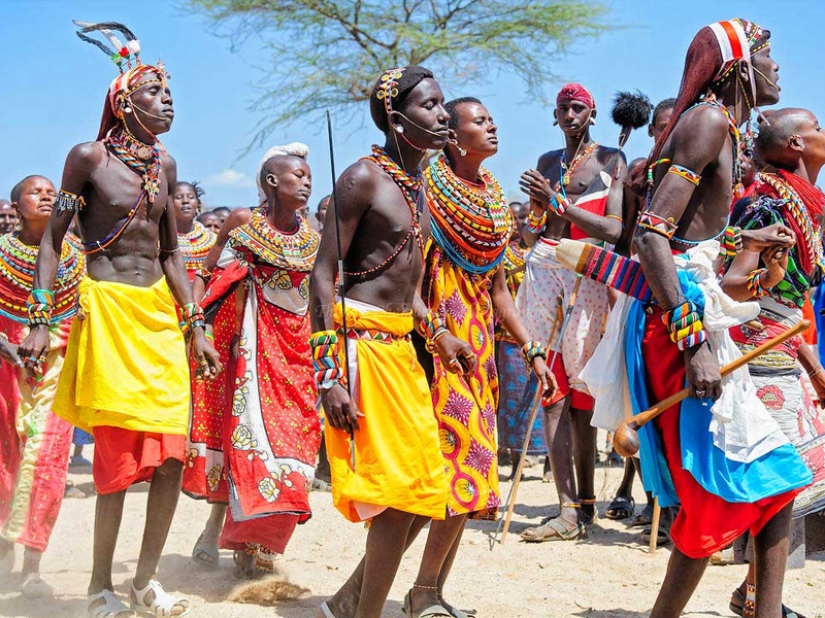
x=536, y=225
x=559, y=204
x=731, y=242
x=39, y=306
x=531, y=350
x=191, y=316
x=325, y=359
x=430, y=325
x=754, y=282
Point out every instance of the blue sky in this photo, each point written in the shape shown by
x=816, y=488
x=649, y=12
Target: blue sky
x=54, y=86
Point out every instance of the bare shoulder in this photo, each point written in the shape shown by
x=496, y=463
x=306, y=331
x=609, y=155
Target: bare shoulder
x=548, y=159
x=87, y=155
x=360, y=174
x=236, y=218
x=168, y=163
x=704, y=125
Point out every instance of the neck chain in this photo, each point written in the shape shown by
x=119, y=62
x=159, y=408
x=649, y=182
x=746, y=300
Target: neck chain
x=408, y=185
x=131, y=152
x=577, y=159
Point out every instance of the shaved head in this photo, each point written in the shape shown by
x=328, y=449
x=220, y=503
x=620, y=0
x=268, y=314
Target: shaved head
x=774, y=142
x=279, y=164
x=17, y=190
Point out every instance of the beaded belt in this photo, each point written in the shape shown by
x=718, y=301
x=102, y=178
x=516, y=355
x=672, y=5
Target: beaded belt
x=369, y=334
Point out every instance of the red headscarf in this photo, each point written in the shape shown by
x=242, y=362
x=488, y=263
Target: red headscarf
x=576, y=92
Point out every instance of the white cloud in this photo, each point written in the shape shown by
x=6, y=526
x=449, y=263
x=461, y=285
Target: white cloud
x=231, y=178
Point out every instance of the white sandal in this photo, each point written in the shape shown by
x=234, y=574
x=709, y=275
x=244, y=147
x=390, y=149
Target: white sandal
x=110, y=609
x=163, y=603
x=35, y=588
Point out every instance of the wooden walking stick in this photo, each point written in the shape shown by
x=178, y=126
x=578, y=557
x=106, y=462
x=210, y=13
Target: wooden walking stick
x=511, y=498
x=626, y=440
x=654, y=527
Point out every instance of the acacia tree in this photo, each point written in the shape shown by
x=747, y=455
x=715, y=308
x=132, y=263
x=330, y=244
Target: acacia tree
x=328, y=53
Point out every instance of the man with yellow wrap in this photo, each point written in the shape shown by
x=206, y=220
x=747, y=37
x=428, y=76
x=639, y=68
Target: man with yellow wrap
x=125, y=376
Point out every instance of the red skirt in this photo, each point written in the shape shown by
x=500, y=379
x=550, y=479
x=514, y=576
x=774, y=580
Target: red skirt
x=124, y=457
x=706, y=523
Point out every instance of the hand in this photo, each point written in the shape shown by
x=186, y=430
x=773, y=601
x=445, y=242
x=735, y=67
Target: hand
x=537, y=187
x=32, y=352
x=818, y=382
x=341, y=411
x=547, y=381
x=703, y=377
x=766, y=237
x=205, y=355
x=776, y=261
x=8, y=352
x=456, y=355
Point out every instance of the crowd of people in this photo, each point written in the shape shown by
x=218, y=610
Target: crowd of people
x=405, y=330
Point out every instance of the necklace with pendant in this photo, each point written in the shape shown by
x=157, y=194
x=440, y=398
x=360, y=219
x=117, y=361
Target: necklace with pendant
x=568, y=170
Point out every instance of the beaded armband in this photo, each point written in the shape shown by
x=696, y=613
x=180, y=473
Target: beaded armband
x=530, y=351
x=683, y=172
x=535, y=224
x=430, y=325
x=655, y=223
x=685, y=325
x=39, y=306
x=325, y=360
x=731, y=242
x=754, y=282
x=69, y=202
x=191, y=316
x=559, y=204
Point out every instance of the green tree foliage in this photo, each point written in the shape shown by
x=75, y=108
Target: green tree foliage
x=327, y=53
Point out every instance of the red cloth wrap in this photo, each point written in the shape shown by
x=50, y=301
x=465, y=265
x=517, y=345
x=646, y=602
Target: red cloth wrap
x=706, y=523
x=576, y=92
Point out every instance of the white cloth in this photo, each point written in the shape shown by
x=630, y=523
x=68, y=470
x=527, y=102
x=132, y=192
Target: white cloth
x=741, y=425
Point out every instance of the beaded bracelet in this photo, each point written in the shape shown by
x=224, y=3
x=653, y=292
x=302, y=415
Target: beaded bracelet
x=731, y=242
x=678, y=312
x=692, y=340
x=209, y=336
x=685, y=325
x=69, y=202
x=530, y=351
x=754, y=282
x=655, y=223
x=559, y=204
x=325, y=359
x=536, y=225
x=430, y=325
x=39, y=306
x=191, y=316
x=204, y=274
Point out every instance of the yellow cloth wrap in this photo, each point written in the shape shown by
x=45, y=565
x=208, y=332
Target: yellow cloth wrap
x=125, y=361
x=398, y=462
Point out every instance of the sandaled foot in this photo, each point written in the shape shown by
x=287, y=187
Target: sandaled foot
x=70, y=491
x=153, y=599
x=558, y=529
x=645, y=518
x=454, y=611
x=206, y=555
x=723, y=557
x=588, y=511
x=787, y=612
x=661, y=540
x=35, y=588
x=622, y=507
x=324, y=611
x=105, y=604
x=433, y=611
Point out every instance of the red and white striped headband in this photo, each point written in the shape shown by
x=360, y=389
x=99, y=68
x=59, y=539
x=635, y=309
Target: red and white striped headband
x=733, y=43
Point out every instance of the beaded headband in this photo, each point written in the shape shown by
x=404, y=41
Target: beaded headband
x=388, y=88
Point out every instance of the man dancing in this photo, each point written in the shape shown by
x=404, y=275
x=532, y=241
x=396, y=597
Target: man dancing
x=780, y=278
x=716, y=471
x=382, y=439
x=575, y=192
x=125, y=376
x=34, y=442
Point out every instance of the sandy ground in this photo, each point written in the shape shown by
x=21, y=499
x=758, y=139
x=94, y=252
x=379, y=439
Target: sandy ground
x=609, y=575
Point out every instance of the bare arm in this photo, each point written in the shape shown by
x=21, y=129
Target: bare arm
x=734, y=283
x=608, y=227
x=236, y=218
x=708, y=133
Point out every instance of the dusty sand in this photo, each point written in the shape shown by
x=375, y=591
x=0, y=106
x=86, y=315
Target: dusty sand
x=609, y=575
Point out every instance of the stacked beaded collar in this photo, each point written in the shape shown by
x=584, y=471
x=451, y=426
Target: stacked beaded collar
x=17, y=276
x=411, y=189
x=294, y=252
x=145, y=159
x=472, y=223
x=195, y=245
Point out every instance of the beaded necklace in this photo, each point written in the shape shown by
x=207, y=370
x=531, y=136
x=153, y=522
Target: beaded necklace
x=195, y=245
x=568, y=171
x=408, y=185
x=471, y=223
x=294, y=252
x=17, y=261
x=799, y=213
x=149, y=169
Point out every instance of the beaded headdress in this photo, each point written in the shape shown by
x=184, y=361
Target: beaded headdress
x=738, y=40
x=126, y=57
x=388, y=87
